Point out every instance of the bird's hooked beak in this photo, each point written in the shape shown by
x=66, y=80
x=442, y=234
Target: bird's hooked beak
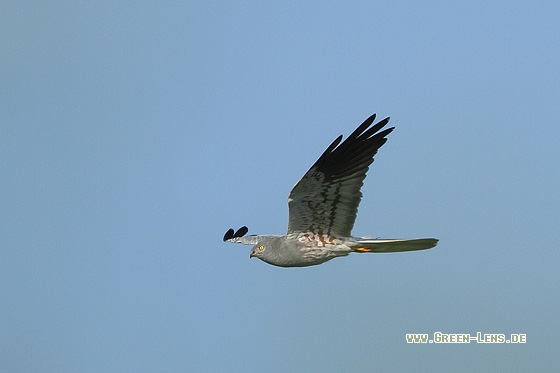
x=253, y=253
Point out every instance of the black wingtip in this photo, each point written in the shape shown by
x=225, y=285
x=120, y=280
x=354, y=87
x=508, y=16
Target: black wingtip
x=229, y=235
x=239, y=233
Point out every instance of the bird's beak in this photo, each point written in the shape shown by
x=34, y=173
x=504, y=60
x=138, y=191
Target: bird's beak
x=252, y=254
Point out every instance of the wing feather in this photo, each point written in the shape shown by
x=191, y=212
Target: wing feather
x=326, y=198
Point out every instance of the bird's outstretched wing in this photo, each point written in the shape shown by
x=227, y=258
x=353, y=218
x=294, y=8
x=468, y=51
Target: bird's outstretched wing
x=326, y=199
x=237, y=236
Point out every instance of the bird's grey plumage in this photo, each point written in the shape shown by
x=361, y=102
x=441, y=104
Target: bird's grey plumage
x=323, y=206
x=326, y=198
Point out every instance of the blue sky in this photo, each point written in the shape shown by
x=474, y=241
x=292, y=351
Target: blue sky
x=134, y=134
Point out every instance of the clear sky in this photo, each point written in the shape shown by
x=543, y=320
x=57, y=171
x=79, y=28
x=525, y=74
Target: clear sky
x=134, y=134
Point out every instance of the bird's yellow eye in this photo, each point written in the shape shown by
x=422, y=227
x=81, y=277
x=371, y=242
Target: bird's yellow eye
x=261, y=247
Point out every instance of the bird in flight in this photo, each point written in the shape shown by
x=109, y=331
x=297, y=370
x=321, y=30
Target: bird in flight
x=323, y=206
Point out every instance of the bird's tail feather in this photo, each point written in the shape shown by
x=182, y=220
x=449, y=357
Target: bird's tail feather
x=393, y=245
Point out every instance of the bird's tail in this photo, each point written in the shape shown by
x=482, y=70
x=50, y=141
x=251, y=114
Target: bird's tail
x=367, y=245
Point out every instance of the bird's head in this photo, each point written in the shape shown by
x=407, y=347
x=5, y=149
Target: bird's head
x=266, y=247
x=257, y=250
